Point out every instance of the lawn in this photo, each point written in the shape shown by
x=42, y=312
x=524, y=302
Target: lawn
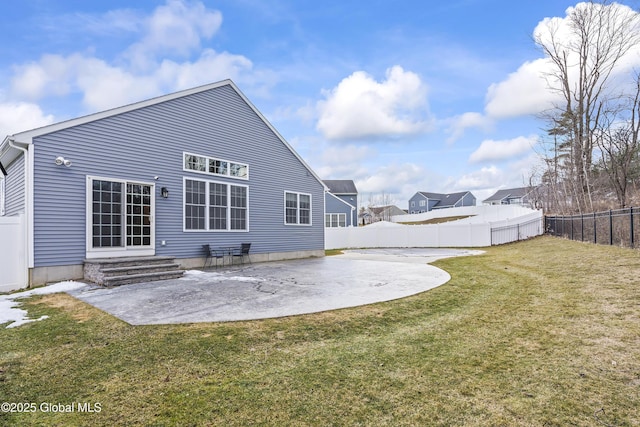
x=542, y=332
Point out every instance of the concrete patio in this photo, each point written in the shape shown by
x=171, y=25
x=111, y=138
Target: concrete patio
x=275, y=289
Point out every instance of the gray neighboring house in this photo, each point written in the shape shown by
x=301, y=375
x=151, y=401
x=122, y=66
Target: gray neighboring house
x=424, y=201
x=512, y=196
x=161, y=177
x=341, y=203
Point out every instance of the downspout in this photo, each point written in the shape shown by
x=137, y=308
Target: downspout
x=27, y=219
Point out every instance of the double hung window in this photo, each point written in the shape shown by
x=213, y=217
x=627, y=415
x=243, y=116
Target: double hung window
x=335, y=220
x=215, y=206
x=297, y=208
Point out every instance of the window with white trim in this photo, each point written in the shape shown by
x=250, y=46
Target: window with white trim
x=297, y=208
x=215, y=206
x=335, y=220
x=214, y=166
x=423, y=202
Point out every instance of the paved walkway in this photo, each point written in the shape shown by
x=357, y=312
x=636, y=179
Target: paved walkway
x=275, y=289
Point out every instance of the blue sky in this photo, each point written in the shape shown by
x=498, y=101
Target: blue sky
x=399, y=96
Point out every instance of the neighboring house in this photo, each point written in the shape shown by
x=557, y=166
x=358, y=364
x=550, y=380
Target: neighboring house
x=380, y=213
x=424, y=201
x=512, y=196
x=161, y=177
x=341, y=203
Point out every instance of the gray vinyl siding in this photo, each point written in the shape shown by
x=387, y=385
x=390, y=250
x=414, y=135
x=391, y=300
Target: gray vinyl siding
x=417, y=208
x=141, y=144
x=15, y=187
x=468, y=200
x=333, y=205
x=352, y=199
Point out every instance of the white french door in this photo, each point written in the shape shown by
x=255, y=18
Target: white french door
x=120, y=218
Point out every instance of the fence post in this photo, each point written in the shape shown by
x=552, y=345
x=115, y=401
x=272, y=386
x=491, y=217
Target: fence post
x=631, y=226
x=571, y=219
x=595, y=234
x=610, y=227
x=581, y=228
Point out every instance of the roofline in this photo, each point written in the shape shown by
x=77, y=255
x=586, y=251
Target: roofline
x=270, y=126
x=26, y=137
x=528, y=191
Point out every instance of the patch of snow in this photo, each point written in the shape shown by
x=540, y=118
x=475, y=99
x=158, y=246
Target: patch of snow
x=9, y=307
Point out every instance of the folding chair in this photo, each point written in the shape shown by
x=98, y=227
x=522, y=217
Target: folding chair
x=243, y=251
x=211, y=254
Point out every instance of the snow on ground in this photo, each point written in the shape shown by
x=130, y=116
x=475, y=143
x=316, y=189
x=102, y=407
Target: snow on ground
x=9, y=307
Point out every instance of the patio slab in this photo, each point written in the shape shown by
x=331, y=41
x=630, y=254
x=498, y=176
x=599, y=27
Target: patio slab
x=275, y=289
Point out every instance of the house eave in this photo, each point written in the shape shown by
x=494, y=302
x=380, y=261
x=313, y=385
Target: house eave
x=30, y=134
x=8, y=152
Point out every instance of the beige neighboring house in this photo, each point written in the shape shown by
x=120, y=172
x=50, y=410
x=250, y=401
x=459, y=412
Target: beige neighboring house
x=379, y=213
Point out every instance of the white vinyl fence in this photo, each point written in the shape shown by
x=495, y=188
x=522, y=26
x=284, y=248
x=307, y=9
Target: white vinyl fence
x=488, y=226
x=13, y=263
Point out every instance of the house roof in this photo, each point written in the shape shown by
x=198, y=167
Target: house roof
x=8, y=152
x=341, y=186
x=444, y=199
x=507, y=193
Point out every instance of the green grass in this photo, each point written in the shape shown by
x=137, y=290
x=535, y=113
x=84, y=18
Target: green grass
x=543, y=332
x=332, y=252
x=436, y=220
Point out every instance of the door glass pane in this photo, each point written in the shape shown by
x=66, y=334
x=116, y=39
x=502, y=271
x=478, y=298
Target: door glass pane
x=106, y=204
x=138, y=214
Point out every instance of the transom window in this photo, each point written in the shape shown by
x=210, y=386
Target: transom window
x=297, y=208
x=335, y=220
x=215, y=206
x=213, y=166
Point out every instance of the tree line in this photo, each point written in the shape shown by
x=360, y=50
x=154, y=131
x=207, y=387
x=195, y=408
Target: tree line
x=591, y=146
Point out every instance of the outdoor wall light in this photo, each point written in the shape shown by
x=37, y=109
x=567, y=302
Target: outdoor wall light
x=62, y=161
x=164, y=192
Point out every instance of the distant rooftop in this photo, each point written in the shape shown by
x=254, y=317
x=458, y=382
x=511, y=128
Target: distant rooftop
x=341, y=186
x=508, y=193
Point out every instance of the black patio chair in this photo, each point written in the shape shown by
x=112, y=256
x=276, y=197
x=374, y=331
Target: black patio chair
x=242, y=252
x=212, y=254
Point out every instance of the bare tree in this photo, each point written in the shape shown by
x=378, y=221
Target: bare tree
x=600, y=34
x=619, y=144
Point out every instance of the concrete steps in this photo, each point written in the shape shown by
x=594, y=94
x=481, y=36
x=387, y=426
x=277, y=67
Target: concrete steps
x=123, y=271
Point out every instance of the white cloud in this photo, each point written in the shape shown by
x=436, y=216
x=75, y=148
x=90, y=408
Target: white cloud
x=491, y=150
x=466, y=121
x=50, y=76
x=21, y=116
x=361, y=107
x=528, y=90
x=524, y=92
x=489, y=176
x=392, y=179
x=174, y=28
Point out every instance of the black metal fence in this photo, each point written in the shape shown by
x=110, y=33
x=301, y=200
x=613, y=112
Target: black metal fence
x=619, y=227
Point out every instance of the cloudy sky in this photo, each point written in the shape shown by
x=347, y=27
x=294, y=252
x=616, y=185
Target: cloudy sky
x=400, y=96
